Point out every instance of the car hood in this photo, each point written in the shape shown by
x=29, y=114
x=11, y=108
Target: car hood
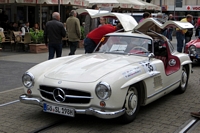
x=91, y=67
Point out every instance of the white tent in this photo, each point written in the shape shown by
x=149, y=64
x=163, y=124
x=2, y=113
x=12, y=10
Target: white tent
x=135, y=4
x=150, y=6
x=117, y=3
x=6, y=1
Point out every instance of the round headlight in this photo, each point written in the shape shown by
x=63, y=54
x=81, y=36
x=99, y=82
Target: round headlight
x=28, y=80
x=192, y=49
x=103, y=90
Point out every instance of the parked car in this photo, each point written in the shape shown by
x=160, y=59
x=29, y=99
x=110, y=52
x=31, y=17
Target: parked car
x=128, y=69
x=192, y=48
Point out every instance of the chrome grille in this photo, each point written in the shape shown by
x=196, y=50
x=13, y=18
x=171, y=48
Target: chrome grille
x=71, y=96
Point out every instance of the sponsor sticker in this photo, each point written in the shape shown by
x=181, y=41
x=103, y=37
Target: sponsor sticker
x=132, y=72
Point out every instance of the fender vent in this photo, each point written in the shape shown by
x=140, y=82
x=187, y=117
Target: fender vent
x=157, y=82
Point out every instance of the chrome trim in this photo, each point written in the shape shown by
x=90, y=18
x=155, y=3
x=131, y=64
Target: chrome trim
x=30, y=100
x=46, y=91
x=163, y=89
x=90, y=111
x=69, y=96
x=73, y=96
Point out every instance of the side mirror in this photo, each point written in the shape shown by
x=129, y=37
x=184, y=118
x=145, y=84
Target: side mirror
x=150, y=56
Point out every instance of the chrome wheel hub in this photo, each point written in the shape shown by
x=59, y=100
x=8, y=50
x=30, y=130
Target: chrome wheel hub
x=131, y=101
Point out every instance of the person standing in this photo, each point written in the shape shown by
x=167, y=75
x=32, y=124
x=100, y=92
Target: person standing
x=170, y=29
x=90, y=24
x=180, y=34
x=54, y=32
x=94, y=37
x=102, y=21
x=144, y=16
x=197, y=32
x=25, y=28
x=74, y=31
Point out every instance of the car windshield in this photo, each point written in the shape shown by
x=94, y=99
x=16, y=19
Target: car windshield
x=125, y=45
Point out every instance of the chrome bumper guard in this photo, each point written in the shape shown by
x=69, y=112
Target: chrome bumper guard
x=101, y=114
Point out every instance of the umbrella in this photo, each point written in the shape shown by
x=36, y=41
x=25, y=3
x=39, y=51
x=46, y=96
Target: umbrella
x=149, y=6
x=118, y=3
x=6, y=1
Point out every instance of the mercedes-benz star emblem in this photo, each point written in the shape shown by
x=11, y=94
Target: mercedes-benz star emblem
x=59, y=95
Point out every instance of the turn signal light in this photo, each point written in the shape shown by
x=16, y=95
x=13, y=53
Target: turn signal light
x=102, y=104
x=29, y=91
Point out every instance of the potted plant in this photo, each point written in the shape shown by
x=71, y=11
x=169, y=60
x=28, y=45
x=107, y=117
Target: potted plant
x=37, y=38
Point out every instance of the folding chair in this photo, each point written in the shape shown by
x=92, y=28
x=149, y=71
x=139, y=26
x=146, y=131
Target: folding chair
x=25, y=41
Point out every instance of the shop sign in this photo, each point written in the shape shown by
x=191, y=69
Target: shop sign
x=193, y=8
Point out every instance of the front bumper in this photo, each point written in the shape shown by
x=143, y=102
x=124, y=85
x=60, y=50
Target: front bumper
x=90, y=111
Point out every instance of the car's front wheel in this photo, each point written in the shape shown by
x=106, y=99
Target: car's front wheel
x=132, y=105
x=184, y=80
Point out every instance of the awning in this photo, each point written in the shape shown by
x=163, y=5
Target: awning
x=26, y=1
x=149, y=6
x=64, y=2
x=117, y=3
x=6, y=1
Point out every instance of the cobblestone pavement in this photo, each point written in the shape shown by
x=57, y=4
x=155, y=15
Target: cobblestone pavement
x=169, y=114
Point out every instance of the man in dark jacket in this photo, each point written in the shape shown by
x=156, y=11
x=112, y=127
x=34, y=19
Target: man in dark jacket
x=53, y=34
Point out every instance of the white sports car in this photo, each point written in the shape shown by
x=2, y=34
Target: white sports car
x=127, y=70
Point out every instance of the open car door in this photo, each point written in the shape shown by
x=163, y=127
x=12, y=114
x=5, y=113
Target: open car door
x=128, y=22
x=91, y=12
x=153, y=24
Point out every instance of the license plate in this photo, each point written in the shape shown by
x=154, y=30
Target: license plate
x=56, y=109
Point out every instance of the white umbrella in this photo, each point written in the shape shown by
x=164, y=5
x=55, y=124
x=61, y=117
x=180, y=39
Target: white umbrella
x=118, y=3
x=6, y=1
x=63, y=2
x=149, y=6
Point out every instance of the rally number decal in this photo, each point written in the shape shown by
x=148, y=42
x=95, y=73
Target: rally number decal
x=149, y=67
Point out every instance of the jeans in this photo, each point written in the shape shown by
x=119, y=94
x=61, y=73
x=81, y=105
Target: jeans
x=55, y=48
x=73, y=47
x=180, y=41
x=169, y=35
x=89, y=45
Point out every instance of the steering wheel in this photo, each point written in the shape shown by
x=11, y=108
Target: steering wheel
x=139, y=50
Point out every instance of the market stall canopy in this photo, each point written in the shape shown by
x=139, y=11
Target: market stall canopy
x=26, y=1
x=6, y=1
x=64, y=2
x=118, y=3
x=149, y=6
